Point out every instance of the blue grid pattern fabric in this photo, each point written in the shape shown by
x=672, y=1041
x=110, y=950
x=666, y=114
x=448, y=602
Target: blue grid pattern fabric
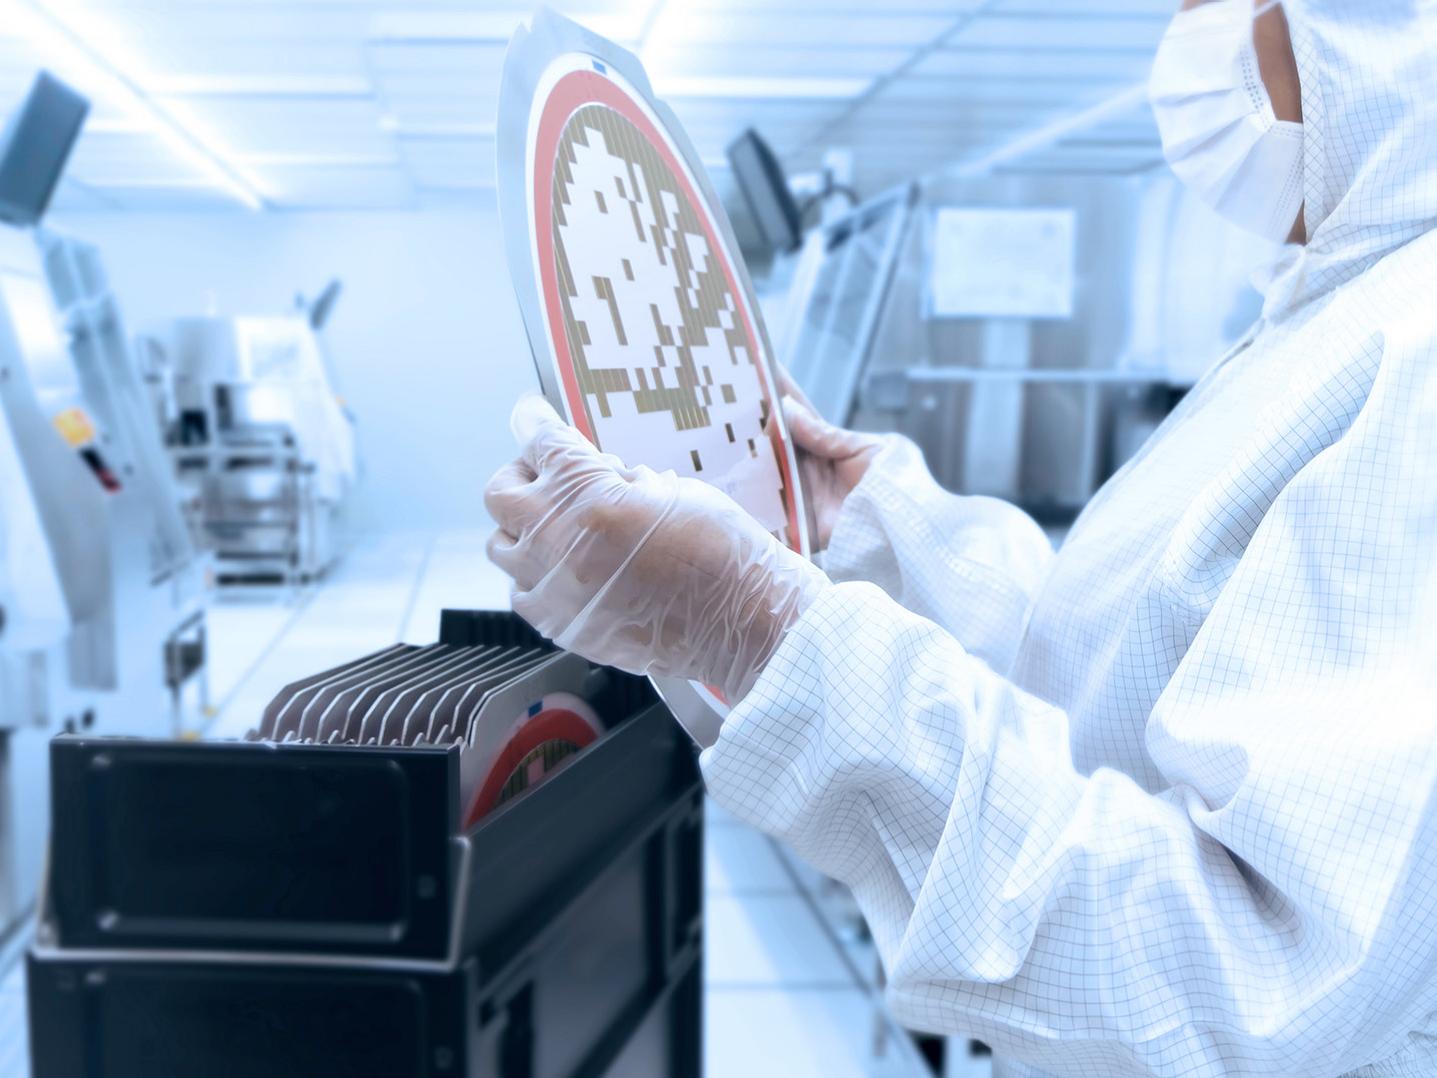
x=1164, y=802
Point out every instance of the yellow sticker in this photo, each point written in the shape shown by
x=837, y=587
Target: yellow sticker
x=75, y=427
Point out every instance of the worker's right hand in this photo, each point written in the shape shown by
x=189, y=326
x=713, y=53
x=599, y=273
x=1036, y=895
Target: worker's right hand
x=639, y=569
x=831, y=460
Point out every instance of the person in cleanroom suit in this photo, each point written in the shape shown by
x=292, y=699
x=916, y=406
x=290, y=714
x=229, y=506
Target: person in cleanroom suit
x=1166, y=802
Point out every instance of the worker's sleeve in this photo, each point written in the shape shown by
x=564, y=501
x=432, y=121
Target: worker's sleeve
x=972, y=564
x=1273, y=912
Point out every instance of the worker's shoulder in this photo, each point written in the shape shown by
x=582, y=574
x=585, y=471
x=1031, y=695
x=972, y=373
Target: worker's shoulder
x=1398, y=294
x=1370, y=345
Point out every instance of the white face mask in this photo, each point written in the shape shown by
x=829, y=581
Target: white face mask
x=1218, y=128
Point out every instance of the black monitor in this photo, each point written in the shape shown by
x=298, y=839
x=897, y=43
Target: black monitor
x=765, y=188
x=323, y=307
x=35, y=146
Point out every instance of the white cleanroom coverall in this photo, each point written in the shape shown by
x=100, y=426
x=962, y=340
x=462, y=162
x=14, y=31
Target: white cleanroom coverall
x=1165, y=803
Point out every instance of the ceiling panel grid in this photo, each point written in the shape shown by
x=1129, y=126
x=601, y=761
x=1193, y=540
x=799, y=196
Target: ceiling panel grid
x=388, y=103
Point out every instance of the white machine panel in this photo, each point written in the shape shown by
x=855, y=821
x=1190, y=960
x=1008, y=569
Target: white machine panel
x=33, y=613
x=50, y=423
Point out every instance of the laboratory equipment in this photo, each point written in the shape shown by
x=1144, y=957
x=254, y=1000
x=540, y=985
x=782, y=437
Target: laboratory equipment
x=839, y=289
x=1020, y=328
x=1005, y=267
x=343, y=919
x=159, y=577
x=46, y=125
x=264, y=450
x=765, y=188
x=101, y=594
x=35, y=624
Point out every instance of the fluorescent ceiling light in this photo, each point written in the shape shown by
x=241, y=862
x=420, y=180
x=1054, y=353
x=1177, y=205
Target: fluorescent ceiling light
x=437, y=131
x=451, y=27
x=63, y=36
x=669, y=28
x=121, y=182
x=454, y=187
x=259, y=86
x=446, y=26
x=319, y=160
x=753, y=87
x=1041, y=138
x=118, y=126
x=659, y=32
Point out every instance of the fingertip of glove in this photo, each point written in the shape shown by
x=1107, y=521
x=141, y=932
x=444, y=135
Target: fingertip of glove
x=545, y=436
x=803, y=424
x=531, y=414
x=801, y=412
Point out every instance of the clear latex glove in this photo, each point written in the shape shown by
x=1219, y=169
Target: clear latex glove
x=637, y=569
x=831, y=460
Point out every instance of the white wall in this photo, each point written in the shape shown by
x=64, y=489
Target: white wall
x=427, y=338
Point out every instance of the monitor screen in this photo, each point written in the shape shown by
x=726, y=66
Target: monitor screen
x=35, y=146
x=765, y=188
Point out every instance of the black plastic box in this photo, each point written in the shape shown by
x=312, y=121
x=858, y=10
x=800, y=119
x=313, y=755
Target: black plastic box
x=265, y=910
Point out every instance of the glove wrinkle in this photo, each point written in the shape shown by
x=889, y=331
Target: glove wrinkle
x=641, y=570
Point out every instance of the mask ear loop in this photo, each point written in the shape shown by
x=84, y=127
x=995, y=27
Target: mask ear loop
x=1255, y=86
x=1263, y=9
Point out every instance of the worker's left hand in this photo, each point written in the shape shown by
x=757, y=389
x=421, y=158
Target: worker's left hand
x=636, y=569
x=831, y=461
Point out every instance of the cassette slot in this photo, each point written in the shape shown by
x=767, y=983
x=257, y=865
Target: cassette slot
x=517, y=712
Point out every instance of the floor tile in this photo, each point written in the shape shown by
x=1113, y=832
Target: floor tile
x=839, y=911
x=458, y=577
x=962, y=1064
x=241, y=716
x=340, y=636
x=797, y=1034
x=14, y=1037
x=809, y=878
x=358, y=609
x=768, y=940
x=862, y=955
x=238, y=632
x=740, y=860
x=715, y=815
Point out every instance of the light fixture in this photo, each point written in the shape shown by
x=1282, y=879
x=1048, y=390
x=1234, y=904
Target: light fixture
x=668, y=28
x=399, y=129
x=1047, y=135
x=442, y=27
x=758, y=87
x=252, y=86
x=460, y=27
x=61, y=36
x=659, y=33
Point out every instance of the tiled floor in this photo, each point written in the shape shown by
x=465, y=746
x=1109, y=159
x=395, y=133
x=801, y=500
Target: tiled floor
x=787, y=992
x=781, y=995
x=13, y=1036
